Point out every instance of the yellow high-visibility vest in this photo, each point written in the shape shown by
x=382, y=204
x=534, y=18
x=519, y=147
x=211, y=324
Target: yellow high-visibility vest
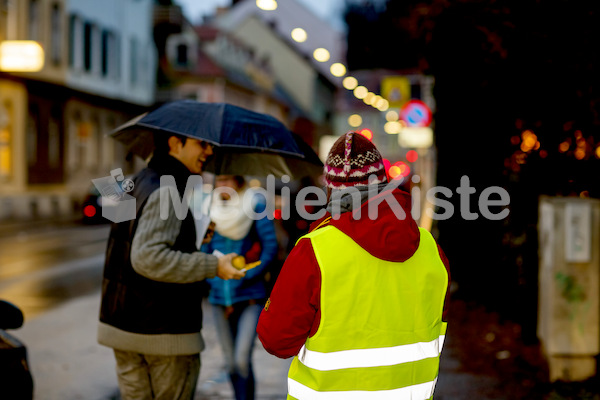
x=381, y=330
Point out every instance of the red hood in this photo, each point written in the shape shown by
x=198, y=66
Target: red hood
x=387, y=237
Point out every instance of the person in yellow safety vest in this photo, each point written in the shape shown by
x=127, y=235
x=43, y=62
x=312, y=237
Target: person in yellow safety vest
x=360, y=298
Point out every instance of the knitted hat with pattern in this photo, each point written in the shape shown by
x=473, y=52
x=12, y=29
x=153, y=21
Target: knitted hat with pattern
x=351, y=160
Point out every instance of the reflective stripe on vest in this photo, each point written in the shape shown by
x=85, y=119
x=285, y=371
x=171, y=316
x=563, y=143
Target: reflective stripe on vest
x=364, y=358
x=380, y=334
x=421, y=391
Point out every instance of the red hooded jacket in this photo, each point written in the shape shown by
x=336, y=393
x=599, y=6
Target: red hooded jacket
x=292, y=313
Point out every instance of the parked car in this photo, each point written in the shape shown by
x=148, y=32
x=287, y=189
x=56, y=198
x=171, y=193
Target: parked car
x=16, y=382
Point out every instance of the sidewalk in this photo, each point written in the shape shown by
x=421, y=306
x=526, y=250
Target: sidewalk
x=24, y=226
x=68, y=364
x=270, y=371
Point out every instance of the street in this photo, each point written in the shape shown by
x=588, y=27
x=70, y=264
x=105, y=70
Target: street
x=43, y=266
x=53, y=273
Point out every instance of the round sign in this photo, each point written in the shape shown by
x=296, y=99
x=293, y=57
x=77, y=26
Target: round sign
x=416, y=113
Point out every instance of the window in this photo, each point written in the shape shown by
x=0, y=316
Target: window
x=32, y=135
x=5, y=140
x=56, y=35
x=34, y=20
x=81, y=139
x=133, y=51
x=109, y=57
x=87, y=46
x=108, y=153
x=73, y=141
x=73, y=21
x=54, y=143
x=182, y=56
x=116, y=58
x=92, y=145
x=106, y=51
x=4, y=6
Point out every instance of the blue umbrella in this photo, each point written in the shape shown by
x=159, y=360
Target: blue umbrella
x=246, y=142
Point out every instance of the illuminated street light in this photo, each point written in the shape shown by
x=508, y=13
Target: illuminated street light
x=369, y=98
x=321, y=54
x=354, y=120
x=338, y=69
x=392, y=127
x=350, y=82
x=412, y=156
x=267, y=5
x=384, y=105
x=380, y=102
x=395, y=172
x=360, y=92
x=299, y=35
x=366, y=132
x=21, y=56
x=416, y=138
x=391, y=116
x=376, y=100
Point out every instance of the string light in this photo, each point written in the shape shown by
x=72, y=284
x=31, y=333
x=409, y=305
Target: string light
x=369, y=98
x=267, y=5
x=384, y=105
x=338, y=69
x=361, y=92
x=350, y=82
x=299, y=35
x=321, y=54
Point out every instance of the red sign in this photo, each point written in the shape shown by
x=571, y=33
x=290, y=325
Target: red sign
x=416, y=113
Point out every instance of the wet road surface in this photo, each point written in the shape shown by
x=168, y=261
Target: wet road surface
x=42, y=266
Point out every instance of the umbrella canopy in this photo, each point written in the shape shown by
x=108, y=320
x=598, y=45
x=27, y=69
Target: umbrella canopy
x=246, y=142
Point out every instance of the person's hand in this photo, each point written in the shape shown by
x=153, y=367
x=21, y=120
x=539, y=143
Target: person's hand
x=227, y=271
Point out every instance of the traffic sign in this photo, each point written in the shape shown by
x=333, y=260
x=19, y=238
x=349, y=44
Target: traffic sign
x=396, y=89
x=416, y=114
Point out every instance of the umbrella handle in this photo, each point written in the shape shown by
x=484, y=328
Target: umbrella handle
x=218, y=162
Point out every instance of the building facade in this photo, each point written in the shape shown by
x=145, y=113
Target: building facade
x=308, y=82
x=209, y=65
x=99, y=71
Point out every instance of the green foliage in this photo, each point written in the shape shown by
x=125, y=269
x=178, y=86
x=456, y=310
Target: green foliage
x=501, y=68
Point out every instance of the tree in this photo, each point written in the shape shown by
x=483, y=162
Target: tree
x=504, y=71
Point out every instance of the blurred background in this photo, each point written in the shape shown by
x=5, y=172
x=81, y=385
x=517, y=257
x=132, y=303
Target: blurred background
x=505, y=93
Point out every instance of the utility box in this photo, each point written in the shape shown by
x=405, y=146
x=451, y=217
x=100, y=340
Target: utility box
x=569, y=282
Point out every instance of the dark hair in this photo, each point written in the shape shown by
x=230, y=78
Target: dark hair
x=239, y=179
x=161, y=142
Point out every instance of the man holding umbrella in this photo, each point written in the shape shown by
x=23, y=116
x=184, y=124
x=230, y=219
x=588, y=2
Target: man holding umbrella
x=154, y=282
